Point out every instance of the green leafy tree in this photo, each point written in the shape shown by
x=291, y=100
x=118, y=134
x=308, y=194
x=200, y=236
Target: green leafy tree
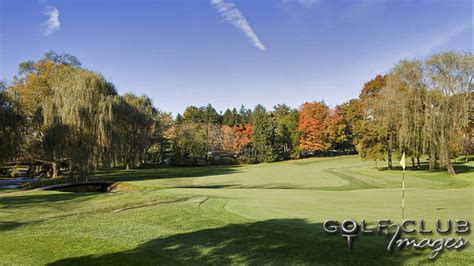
x=245, y=115
x=162, y=134
x=351, y=113
x=375, y=135
x=231, y=117
x=263, y=135
x=190, y=144
x=286, y=132
x=10, y=126
x=133, y=125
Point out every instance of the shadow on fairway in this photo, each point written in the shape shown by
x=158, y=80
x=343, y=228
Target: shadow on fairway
x=147, y=173
x=165, y=172
x=17, y=201
x=277, y=241
x=207, y=186
x=5, y=226
x=459, y=167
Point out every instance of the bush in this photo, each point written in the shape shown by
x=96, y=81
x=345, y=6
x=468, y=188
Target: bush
x=223, y=161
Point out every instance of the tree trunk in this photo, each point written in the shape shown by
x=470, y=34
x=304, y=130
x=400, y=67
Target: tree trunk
x=162, y=152
x=54, y=165
x=449, y=166
x=413, y=162
x=432, y=161
x=389, y=153
x=37, y=169
x=71, y=169
x=449, y=163
x=389, y=160
x=418, y=162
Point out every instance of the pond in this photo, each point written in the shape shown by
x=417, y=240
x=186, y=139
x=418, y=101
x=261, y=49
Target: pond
x=15, y=182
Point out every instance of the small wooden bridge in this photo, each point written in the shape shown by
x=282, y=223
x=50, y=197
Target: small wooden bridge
x=86, y=186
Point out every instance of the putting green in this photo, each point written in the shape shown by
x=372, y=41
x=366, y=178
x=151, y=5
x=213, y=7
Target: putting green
x=267, y=213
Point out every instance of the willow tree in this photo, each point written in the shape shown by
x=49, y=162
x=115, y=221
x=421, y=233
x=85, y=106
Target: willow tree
x=405, y=93
x=79, y=119
x=133, y=126
x=31, y=88
x=10, y=123
x=467, y=141
x=449, y=78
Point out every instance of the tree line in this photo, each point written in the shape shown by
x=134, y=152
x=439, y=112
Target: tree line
x=422, y=108
x=60, y=117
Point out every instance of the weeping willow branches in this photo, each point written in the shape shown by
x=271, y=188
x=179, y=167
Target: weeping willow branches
x=79, y=118
x=427, y=104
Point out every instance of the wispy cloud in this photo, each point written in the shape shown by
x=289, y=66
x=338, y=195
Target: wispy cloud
x=232, y=15
x=308, y=3
x=304, y=3
x=436, y=39
x=417, y=46
x=52, y=24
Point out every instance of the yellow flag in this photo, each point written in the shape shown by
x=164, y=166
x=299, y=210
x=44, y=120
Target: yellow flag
x=402, y=161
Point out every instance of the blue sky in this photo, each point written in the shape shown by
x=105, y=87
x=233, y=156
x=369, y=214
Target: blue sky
x=192, y=52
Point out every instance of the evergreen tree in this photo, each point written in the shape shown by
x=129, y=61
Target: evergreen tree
x=231, y=117
x=263, y=135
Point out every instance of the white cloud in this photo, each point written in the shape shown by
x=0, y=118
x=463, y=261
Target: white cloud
x=233, y=16
x=52, y=24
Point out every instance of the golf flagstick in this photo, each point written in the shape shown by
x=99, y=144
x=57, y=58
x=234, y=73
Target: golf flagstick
x=402, y=163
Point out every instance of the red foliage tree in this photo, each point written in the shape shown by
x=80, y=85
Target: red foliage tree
x=312, y=125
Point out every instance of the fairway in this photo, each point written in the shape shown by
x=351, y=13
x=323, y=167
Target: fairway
x=253, y=214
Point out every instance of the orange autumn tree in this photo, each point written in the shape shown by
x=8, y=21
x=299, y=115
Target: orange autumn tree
x=312, y=124
x=336, y=130
x=236, y=138
x=229, y=139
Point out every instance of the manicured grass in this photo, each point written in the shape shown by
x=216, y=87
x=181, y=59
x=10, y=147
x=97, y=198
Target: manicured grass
x=267, y=213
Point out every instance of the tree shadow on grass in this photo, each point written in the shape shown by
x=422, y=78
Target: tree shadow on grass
x=277, y=241
x=143, y=174
x=459, y=167
x=5, y=226
x=165, y=172
x=28, y=199
x=208, y=186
